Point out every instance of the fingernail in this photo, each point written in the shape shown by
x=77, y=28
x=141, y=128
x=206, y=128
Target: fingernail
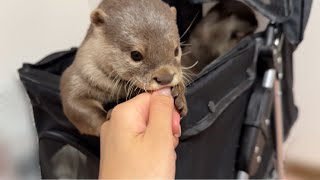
x=164, y=91
x=179, y=133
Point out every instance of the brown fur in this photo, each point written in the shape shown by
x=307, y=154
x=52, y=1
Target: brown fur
x=219, y=31
x=104, y=71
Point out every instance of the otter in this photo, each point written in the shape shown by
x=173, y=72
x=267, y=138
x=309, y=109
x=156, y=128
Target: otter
x=219, y=31
x=130, y=47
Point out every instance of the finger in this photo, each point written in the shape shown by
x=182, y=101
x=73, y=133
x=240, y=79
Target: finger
x=139, y=106
x=176, y=129
x=175, y=141
x=160, y=114
x=104, y=132
x=132, y=115
x=105, y=126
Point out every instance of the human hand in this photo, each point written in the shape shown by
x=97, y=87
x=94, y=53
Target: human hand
x=140, y=139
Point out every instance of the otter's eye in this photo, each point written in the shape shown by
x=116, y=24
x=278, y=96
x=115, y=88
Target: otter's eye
x=176, y=52
x=136, y=56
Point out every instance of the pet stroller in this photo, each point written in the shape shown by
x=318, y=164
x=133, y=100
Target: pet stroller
x=230, y=130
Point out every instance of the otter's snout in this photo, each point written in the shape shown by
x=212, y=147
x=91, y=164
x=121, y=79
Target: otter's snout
x=163, y=79
x=164, y=76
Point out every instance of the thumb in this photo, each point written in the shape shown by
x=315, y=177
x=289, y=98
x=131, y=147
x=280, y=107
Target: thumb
x=132, y=115
x=160, y=114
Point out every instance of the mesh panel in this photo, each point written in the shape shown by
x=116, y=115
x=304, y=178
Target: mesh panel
x=275, y=10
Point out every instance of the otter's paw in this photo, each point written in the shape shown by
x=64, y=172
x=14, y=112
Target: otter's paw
x=180, y=100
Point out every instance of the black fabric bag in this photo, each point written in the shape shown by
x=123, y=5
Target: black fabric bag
x=227, y=104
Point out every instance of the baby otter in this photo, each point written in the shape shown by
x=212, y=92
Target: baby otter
x=131, y=46
x=219, y=31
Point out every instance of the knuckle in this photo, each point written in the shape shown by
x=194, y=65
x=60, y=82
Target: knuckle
x=117, y=110
x=105, y=126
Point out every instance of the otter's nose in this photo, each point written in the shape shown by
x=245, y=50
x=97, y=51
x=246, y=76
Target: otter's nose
x=164, y=79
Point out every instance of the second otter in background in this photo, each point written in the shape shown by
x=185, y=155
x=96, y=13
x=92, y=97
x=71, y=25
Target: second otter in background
x=219, y=31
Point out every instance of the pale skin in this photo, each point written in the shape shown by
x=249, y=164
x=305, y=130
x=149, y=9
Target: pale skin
x=140, y=139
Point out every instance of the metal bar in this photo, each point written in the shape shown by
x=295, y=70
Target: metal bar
x=269, y=78
x=279, y=127
x=278, y=106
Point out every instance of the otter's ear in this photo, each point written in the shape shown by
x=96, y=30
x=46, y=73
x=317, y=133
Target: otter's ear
x=174, y=11
x=98, y=17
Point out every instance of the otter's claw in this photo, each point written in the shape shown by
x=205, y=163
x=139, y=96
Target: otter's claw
x=109, y=114
x=180, y=99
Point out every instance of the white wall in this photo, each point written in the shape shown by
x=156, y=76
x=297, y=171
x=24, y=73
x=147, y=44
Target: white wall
x=304, y=142
x=29, y=31
x=32, y=29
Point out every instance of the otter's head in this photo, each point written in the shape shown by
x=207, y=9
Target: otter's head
x=140, y=42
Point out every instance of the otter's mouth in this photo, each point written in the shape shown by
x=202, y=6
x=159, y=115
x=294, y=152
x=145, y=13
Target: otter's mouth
x=137, y=85
x=149, y=87
x=136, y=88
